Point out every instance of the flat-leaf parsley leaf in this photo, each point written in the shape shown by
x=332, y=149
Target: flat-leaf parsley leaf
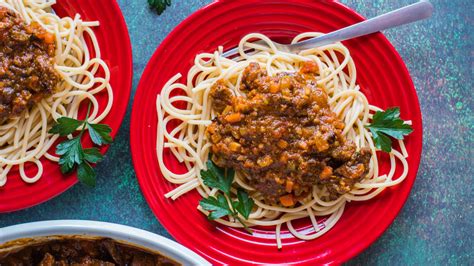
x=388, y=124
x=73, y=155
x=159, y=5
x=100, y=133
x=86, y=174
x=216, y=177
x=220, y=205
x=66, y=126
x=244, y=204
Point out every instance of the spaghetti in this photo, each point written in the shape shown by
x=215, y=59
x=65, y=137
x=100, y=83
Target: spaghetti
x=188, y=142
x=25, y=139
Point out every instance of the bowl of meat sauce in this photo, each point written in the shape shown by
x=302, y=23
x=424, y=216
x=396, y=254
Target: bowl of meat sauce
x=75, y=242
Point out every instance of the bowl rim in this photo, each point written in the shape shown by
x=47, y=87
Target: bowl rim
x=119, y=232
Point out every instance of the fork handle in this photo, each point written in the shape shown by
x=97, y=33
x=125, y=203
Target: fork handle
x=404, y=15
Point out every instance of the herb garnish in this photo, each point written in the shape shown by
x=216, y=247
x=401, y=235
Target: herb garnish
x=73, y=155
x=221, y=205
x=159, y=5
x=388, y=124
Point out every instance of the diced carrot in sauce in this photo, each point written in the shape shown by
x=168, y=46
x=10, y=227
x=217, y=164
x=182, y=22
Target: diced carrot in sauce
x=282, y=144
x=234, y=146
x=309, y=67
x=48, y=38
x=303, y=145
x=326, y=173
x=287, y=200
x=284, y=157
x=274, y=87
x=233, y=118
x=265, y=161
x=279, y=180
x=285, y=83
x=289, y=186
x=357, y=171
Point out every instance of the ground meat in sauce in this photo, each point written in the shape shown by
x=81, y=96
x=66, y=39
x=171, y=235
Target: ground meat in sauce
x=104, y=252
x=283, y=136
x=27, y=71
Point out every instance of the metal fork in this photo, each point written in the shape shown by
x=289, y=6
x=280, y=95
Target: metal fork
x=404, y=15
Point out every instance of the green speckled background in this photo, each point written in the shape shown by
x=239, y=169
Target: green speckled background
x=436, y=225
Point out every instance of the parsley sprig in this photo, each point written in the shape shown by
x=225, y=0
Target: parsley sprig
x=388, y=124
x=222, y=204
x=73, y=155
x=159, y=5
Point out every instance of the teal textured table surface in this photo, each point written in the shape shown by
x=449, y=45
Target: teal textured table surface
x=435, y=226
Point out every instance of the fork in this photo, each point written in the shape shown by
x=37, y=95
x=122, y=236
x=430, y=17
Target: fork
x=415, y=12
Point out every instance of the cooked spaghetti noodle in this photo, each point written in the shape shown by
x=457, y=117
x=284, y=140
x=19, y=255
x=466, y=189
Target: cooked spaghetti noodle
x=25, y=139
x=189, y=144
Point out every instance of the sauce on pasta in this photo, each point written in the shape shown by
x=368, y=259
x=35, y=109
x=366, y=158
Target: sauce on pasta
x=27, y=71
x=283, y=136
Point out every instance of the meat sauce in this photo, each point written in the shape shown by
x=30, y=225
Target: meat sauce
x=77, y=252
x=27, y=71
x=283, y=137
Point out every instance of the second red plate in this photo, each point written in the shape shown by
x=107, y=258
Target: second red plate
x=116, y=51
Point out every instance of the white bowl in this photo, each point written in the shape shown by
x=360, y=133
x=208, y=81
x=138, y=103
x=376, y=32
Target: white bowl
x=128, y=234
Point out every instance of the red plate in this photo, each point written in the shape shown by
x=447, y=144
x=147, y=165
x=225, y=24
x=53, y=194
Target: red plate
x=381, y=74
x=116, y=51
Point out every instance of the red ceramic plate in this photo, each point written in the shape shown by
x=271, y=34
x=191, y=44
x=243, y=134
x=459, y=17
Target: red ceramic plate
x=381, y=74
x=116, y=51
